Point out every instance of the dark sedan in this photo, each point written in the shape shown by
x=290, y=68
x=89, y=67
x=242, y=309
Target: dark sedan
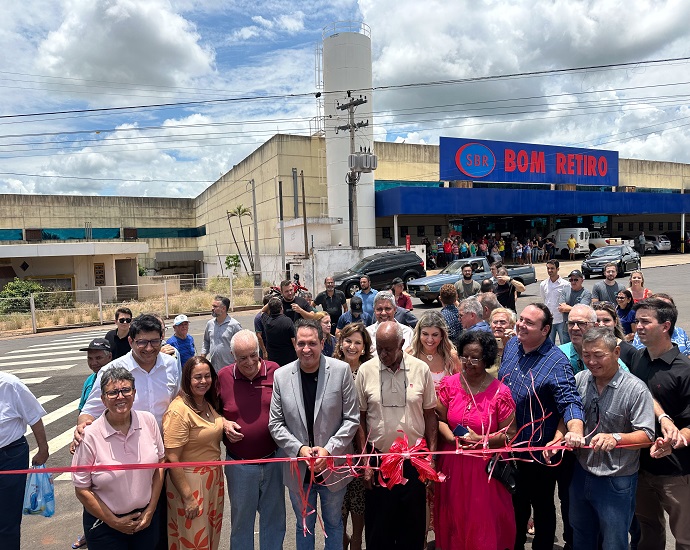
x=625, y=258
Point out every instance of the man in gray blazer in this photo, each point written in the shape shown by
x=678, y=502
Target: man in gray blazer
x=314, y=413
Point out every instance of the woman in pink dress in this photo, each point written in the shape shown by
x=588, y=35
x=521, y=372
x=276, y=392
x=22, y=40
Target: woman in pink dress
x=471, y=511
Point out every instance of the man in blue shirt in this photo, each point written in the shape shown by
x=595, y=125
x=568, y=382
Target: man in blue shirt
x=542, y=383
x=182, y=341
x=354, y=315
x=367, y=295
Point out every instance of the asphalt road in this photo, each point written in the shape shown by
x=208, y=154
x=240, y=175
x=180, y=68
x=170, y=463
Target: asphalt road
x=54, y=370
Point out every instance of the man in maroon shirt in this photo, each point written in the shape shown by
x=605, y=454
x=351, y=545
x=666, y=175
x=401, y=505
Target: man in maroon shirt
x=245, y=389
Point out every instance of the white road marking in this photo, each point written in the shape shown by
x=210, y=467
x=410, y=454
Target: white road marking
x=4, y=363
x=29, y=381
x=57, y=443
x=38, y=353
x=46, y=398
x=17, y=372
x=59, y=413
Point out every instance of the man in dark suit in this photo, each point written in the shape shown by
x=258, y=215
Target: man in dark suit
x=314, y=413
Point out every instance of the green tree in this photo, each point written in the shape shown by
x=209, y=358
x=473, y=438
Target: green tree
x=232, y=262
x=241, y=212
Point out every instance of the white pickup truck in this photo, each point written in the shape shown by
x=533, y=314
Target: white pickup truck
x=596, y=240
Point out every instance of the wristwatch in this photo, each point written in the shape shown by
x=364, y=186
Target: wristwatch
x=617, y=437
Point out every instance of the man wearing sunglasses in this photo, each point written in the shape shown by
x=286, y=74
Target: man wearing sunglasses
x=119, y=336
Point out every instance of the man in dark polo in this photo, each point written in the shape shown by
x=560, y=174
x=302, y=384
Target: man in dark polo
x=332, y=301
x=279, y=334
x=245, y=390
x=119, y=336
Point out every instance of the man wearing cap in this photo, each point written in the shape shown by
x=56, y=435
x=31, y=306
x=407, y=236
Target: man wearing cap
x=182, y=341
x=332, y=301
x=355, y=314
x=98, y=355
x=119, y=336
x=573, y=295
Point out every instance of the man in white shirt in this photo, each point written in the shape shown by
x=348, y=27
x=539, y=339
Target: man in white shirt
x=18, y=407
x=550, y=291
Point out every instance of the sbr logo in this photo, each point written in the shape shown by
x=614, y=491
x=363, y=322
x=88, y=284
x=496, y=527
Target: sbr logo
x=475, y=160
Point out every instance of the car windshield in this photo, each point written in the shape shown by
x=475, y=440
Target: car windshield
x=361, y=264
x=455, y=268
x=607, y=251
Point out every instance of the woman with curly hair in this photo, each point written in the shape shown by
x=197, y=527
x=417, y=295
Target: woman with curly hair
x=354, y=347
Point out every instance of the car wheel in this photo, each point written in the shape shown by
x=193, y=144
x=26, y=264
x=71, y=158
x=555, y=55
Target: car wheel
x=587, y=275
x=350, y=289
x=427, y=301
x=409, y=278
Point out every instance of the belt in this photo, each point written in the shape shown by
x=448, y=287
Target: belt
x=235, y=457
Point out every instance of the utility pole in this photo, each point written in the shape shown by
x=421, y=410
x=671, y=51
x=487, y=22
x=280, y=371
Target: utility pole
x=356, y=168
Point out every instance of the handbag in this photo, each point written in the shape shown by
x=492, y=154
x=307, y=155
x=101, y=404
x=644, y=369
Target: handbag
x=504, y=471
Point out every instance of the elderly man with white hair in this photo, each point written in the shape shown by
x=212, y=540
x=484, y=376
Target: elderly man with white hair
x=245, y=389
x=384, y=310
x=471, y=313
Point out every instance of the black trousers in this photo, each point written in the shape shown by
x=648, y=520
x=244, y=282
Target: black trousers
x=564, y=476
x=103, y=537
x=536, y=487
x=396, y=518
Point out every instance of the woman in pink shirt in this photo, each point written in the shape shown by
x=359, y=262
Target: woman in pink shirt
x=120, y=505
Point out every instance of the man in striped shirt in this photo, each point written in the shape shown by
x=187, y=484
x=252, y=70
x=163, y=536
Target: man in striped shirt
x=542, y=383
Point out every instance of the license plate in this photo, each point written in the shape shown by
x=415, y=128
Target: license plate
x=596, y=269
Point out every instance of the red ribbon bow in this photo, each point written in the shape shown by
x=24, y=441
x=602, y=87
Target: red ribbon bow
x=392, y=463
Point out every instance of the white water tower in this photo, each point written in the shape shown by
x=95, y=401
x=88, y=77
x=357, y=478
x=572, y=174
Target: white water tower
x=347, y=67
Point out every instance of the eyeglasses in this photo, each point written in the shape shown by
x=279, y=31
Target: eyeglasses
x=574, y=280
x=124, y=320
x=621, y=297
x=142, y=344
x=581, y=324
x=471, y=360
x=126, y=392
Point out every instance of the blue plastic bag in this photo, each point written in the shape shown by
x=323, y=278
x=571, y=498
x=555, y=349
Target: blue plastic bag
x=39, y=495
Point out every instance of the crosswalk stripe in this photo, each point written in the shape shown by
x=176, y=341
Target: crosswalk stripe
x=29, y=381
x=58, y=345
x=85, y=336
x=46, y=398
x=59, y=413
x=17, y=372
x=57, y=443
x=34, y=361
x=37, y=353
x=63, y=477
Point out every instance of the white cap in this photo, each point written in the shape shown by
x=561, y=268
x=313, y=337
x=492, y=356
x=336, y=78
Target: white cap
x=179, y=320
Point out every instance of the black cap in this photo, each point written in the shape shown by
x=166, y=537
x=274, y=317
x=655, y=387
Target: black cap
x=98, y=344
x=397, y=281
x=356, y=304
x=576, y=273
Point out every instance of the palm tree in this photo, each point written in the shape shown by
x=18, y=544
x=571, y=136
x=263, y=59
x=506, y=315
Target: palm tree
x=235, y=240
x=240, y=212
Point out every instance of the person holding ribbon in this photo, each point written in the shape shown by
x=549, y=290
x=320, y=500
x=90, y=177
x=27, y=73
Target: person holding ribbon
x=192, y=431
x=119, y=505
x=474, y=403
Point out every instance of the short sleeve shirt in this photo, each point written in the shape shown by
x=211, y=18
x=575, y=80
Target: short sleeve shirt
x=290, y=313
x=18, y=407
x=120, y=490
x=333, y=305
x=395, y=400
x=199, y=437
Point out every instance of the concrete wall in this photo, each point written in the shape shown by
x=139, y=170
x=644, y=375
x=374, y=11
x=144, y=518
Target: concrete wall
x=650, y=173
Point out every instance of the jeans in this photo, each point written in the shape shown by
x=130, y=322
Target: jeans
x=659, y=494
x=331, y=507
x=536, y=488
x=100, y=536
x=252, y=488
x=14, y=456
x=602, y=508
x=561, y=330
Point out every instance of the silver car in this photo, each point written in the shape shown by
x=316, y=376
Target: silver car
x=657, y=243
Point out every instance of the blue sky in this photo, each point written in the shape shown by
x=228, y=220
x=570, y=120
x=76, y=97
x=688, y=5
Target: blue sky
x=65, y=55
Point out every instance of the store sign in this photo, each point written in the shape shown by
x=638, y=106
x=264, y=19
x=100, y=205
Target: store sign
x=509, y=162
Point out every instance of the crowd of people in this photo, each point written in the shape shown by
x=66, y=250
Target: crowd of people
x=528, y=250
x=612, y=412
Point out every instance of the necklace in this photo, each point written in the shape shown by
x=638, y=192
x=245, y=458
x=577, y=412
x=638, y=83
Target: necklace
x=430, y=358
x=473, y=392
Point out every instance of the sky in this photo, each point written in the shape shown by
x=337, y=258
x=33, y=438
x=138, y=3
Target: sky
x=162, y=97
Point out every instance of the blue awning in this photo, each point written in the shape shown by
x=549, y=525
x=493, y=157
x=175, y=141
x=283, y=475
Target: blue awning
x=496, y=201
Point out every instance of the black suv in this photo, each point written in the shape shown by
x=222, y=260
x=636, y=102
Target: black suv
x=381, y=268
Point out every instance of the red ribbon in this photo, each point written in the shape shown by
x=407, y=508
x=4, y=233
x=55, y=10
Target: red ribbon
x=391, y=470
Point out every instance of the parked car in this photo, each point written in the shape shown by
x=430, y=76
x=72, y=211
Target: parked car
x=381, y=268
x=657, y=243
x=625, y=258
x=674, y=237
x=560, y=238
x=597, y=240
x=428, y=288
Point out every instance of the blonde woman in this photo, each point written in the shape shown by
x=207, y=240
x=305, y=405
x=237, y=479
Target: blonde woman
x=324, y=319
x=431, y=344
x=637, y=288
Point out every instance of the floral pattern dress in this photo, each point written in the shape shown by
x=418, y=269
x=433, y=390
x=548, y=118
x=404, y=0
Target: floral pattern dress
x=200, y=439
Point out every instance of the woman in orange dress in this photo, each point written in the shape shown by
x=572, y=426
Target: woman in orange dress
x=192, y=431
